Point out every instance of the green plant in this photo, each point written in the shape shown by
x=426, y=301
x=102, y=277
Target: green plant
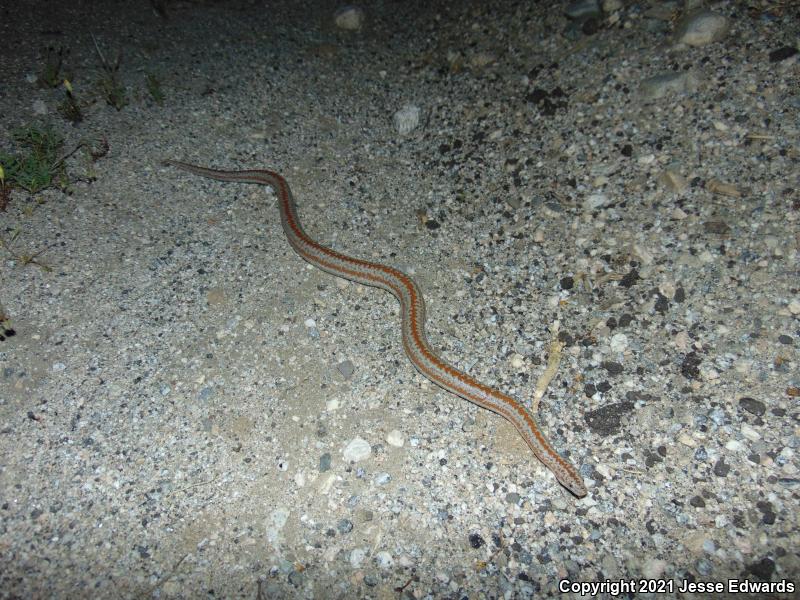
x=51, y=72
x=69, y=107
x=23, y=258
x=154, y=88
x=111, y=89
x=40, y=166
x=5, y=190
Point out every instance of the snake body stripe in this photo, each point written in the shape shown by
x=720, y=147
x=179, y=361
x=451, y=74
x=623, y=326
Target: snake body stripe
x=412, y=311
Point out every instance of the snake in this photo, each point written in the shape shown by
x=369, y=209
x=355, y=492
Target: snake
x=412, y=317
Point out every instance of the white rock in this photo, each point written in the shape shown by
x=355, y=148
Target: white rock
x=276, y=522
x=300, y=478
x=350, y=18
x=750, y=433
x=702, y=28
x=406, y=119
x=660, y=86
x=735, y=446
x=395, y=438
x=384, y=560
x=667, y=289
x=619, y=342
x=405, y=561
x=357, y=557
x=654, y=568
x=595, y=201
x=358, y=449
x=604, y=470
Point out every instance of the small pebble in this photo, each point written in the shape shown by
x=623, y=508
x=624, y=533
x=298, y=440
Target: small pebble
x=358, y=449
x=344, y=526
x=675, y=182
x=735, y=446
x=582, y=9
x=395, y=438
x=783, y=53
x=750, y=433
x=349, y=18
x=594, y=201
x=382, y=479
x=406, y=119
x=325, y=462
x=357, y=556
x=346, y=369
x=384, y=560
x=660, y=86
x=702, y=28
x=753, y=406
x=619, y=342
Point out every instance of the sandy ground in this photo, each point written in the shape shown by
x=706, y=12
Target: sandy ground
x=177, y=401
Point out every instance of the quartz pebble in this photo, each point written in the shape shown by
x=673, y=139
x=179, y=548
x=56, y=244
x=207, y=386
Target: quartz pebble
x=356, y=450
x=701, y=28
x=349, y=18
x=406, y=119
x=660, y=86
x=395, y=438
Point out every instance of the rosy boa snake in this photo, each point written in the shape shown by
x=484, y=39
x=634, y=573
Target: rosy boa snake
x=412, y=310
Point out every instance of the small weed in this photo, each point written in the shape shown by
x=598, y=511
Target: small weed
x=5, y=190
x=22, y=258
x=154, y=87
x=69, y=107
x=50, y=76
x=113, y=92
x=40, y=167
x=111, y=89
